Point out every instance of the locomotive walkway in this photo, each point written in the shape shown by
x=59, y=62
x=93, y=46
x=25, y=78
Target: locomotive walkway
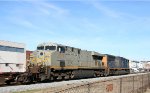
x=132, y=83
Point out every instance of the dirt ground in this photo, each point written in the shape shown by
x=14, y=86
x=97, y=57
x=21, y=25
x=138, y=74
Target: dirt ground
x=148, y=91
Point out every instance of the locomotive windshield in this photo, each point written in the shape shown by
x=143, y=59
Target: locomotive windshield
x=40, y=48
x=50, y=47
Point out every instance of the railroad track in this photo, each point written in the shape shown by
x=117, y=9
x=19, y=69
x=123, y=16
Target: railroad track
x=16, y=84
x=12, y=84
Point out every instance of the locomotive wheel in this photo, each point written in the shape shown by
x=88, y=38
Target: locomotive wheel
x=71, y=75
x=24, y=79
x=19, y=79
x=66, y=77
x=7, y=82
x=59, y=77
x=55, y=78
x=105, y=74
x=51, y=78
x=95, y=75
x=28, y=80
x=63, y=77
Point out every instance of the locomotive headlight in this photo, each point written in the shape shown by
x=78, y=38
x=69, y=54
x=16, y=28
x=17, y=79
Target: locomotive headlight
x=41, y=53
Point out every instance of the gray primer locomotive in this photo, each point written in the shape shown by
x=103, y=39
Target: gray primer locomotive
x=53, y=61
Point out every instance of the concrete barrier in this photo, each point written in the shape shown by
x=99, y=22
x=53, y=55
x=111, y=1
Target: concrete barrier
x=136, y=83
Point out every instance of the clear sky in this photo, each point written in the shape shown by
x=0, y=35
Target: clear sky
x=119, y=28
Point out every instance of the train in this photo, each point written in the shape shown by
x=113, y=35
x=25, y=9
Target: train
x=52, y=61
x=12, y=60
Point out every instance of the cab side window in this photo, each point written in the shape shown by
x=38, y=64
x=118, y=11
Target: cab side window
x=61, y=49
x=79, y=51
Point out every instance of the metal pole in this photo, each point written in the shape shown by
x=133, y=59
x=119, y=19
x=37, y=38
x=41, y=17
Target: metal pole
x=142, y=84
x=133, y=84
x=149, y=80
x=120, y=85
x=88, y=87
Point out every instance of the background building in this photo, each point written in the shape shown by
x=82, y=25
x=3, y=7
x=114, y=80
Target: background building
x=135, y=66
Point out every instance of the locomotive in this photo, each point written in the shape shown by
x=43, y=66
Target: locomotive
x=51, y=61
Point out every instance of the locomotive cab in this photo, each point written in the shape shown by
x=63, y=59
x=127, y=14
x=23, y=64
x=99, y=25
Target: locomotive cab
x=41, y=61
x=49, y=54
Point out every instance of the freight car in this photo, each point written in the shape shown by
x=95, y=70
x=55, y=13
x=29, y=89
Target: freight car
x=28, y=54
x=53, y=61
x=12, y=60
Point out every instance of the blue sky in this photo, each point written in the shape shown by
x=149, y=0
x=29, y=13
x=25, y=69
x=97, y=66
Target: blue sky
x=112, y=27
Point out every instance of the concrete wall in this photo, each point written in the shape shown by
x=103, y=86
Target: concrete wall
x=137, y=83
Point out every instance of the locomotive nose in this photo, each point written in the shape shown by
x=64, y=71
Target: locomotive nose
x=44, y=56
x=39, y=57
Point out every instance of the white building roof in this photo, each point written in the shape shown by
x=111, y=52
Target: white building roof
x=12, y=44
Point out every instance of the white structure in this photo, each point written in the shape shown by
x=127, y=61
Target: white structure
x=12, y=57
x=134, y=66
x=146, y=65
x=141, y=68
